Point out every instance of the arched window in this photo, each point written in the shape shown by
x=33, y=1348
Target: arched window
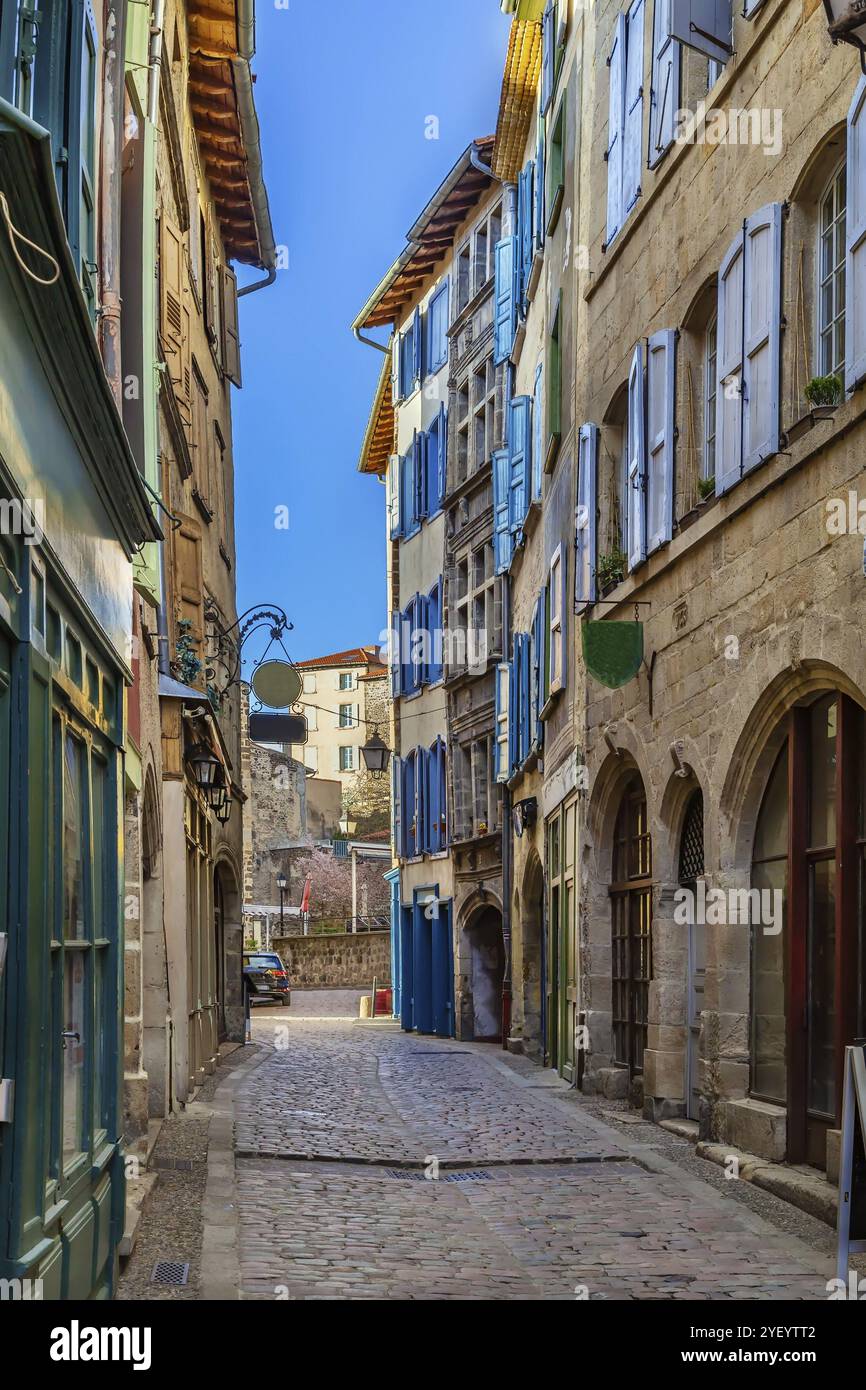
x=831, y=276
x=631, y=913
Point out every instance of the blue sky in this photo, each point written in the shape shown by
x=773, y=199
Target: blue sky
x=343, y=90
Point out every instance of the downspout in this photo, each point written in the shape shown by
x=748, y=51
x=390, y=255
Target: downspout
x=371, y=342
x=109, y=252
x=259, y=284
x=156, y=32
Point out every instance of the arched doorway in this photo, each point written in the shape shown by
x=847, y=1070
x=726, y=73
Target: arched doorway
x=486, y=972
x=532, y=933
x=808, y=967
x=631, y=914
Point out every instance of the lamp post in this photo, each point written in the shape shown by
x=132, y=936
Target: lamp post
x=846, y=23
x=281, y=884
x=376, y=752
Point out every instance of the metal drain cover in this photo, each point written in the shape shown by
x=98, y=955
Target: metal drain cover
x=412, y=1175
x=170, y=1272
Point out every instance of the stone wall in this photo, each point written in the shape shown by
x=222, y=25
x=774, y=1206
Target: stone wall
x=341, y=960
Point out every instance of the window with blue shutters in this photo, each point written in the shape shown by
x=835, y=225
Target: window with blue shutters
x=625, y=117
x=635, y=506
x=397, y=778
x=514, y=707
x=501, y=509
x=435, y=463
x=395, y=654
x=660, y=377
x=407, y=360
x=421, y=800
x=505, y=298
x=519, y=459
x=521, y=700
x=410, y=821
x=437, y=329
x=704, y=25
x=665, y=90
x=409, y=522
x=419, y=468
x=585, y=517
x=437, y=839
x=394, y=464
x=418, y=346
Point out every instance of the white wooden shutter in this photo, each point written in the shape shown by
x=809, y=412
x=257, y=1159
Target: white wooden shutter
x=395, y=367
x=503, y=677
x=615, y=126
x=231, y=342
x=556, y=619
x=855, y=274
x=704, y=25
x=636, y=471
x=585, y=519
x=633, y=134
x=665, y=99
x=762, y=332
x=660, y=375
x=312, y=716
x=729, y=367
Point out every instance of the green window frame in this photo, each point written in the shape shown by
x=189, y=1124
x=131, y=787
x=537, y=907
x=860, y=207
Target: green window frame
x=556, y=167
x=554, y=383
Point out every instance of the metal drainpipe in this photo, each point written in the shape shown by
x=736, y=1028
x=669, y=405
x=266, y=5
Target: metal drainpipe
x=109, y=240
x=259, y=284
x=507, y=995
x=371, y=342
x=156, y=29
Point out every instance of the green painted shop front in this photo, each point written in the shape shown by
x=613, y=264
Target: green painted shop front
x=73, y=513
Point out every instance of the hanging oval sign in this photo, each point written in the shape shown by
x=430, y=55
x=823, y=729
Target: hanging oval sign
x=277, y=684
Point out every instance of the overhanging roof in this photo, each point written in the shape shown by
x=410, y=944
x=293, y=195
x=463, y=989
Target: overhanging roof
x=379, y=437
x=430, y=238
x=221, y=44
x=518, y=96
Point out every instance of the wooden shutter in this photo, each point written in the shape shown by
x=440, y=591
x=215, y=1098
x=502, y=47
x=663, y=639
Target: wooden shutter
x=171, y=317
x=636, y=470
x=729, y=367
x=665, y=98
x=394, y=496
x=538, y=201
x=395, y=368
x=585, y=516
x=855, y=273
x=538, y=434
x=419, y=469
x=514, y=711
x=519, y=450
x=443, y=794
x=501, y=529
x=417, y=348
x=502, y=742
x=762, y=333
x=188, y=586
x=704, y=25
x=633, y=133
x=660, y=374
x=394, y=654
x=441, y=457
x=505, y=310
x=434, y=813
x=615, y=128
x=548, y=53
x=524, y=221
x=231, y=337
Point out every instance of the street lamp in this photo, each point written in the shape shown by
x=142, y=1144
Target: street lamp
x=204, y=768
x=376, y=752
x=846, y=23
x=282, y=884
x=347, y=826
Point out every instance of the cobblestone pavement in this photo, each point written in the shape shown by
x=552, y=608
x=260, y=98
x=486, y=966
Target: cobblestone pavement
x=333, y=1131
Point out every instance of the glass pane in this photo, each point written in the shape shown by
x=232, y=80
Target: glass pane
x=100, y=1039
x=74, y=923
x=99, y=812
x=821, y=988
x=569, y=837
x=822, y=806
x=74, y=977
x=771, y=837
x=768, y=991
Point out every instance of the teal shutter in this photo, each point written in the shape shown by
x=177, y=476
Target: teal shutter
x=519, y=450
x=501, y=494
x=548, y=53
x=506, y=308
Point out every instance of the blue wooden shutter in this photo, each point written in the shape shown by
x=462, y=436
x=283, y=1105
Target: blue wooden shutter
x=519, y=446
x=729, y=367
x=525, y=696
x=433, y=813
x=636, y=472
x=665, y=91
x=524, y=222
x=409, y=823
x=442, y=456
x=762, y=335
x=395, y=655
x=422, y=764
x=537, y=659
x=855, y=271
x=660, y=377
x=633, y=131
x=538, y=200
x=501, y=493
x=394, y=496
x=397, y=806
x=434, y=628
x=538, y=434
x=548, y=53
x=419, y=453
x=442, y=773
x=585, y=517
x=506, y=308
x=408, y=518
x=396, y=377
x=704, y=25
x=615, y=129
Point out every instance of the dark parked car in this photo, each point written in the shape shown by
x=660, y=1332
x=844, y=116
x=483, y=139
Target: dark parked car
x=266, y=977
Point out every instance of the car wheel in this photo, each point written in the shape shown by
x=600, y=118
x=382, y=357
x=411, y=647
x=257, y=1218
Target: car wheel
x=287, y=999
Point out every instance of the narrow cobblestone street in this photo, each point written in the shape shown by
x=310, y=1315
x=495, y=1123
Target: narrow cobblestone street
x=321, y=1143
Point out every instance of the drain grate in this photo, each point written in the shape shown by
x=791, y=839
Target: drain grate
x=412, y=1175
x=170, y=1272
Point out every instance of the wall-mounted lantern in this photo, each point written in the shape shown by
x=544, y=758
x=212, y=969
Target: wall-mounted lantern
x=846, y=23
x=376, y=753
